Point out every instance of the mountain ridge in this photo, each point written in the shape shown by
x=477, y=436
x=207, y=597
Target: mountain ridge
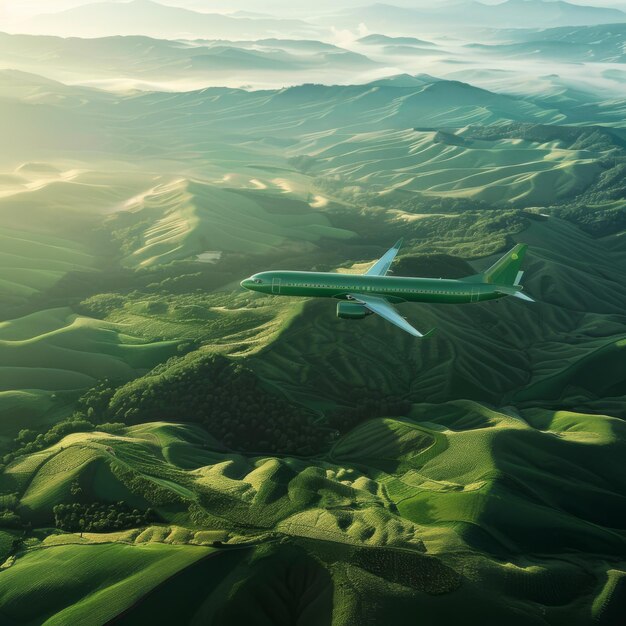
x=145, y=17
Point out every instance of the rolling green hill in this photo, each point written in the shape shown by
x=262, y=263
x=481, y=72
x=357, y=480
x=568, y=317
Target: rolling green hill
x=507, y=170
x=99, y=571
x=177, y=450
x=447, y=493
x=57, y=350
x=187, y=218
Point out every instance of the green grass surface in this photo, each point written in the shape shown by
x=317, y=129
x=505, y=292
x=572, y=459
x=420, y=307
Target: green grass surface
x=73, y=350
x=499, y=171
x=188, y=218
x=92, y=592
x=452, y=479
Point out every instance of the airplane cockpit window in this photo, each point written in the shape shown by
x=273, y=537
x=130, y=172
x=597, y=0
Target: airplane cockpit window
x=258, y=281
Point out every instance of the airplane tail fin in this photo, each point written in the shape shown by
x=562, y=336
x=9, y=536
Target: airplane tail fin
x=506, y=270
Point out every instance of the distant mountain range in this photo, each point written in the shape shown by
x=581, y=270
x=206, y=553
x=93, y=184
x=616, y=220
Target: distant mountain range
x=385, y=40
x=603, y=43
x=143, y=59
x=510, y=14
x=144, y=17
x=402, y=102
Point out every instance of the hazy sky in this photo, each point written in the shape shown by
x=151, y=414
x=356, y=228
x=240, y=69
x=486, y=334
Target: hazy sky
x=20, y=8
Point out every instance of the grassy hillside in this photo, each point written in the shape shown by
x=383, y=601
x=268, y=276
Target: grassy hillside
x=507, y=170
x=57, y=350
x=99, y=571
x=433, y=492
x=185, y=219
x=74, y=350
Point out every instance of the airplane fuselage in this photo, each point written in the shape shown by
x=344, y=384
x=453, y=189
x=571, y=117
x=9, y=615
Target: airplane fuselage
x=395, y=289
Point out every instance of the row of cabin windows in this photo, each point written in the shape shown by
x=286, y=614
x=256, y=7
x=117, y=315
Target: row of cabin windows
x=403, y=290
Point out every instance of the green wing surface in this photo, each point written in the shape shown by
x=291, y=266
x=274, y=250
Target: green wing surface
x=381, y=267
x=381, y=307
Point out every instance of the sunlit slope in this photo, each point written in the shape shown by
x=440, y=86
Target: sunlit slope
x=188, y=218
x=73, y=349
x=224, y=321
x=437, y=489
x=106, y=580
x=489, y=351
x=35, y=253
x=505, y=170
x=48, y=214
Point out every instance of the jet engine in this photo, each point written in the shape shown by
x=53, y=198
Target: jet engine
x=352, y=311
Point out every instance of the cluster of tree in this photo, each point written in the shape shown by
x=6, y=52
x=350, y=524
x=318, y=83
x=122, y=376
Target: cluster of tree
x=410, y=202
x=599, y=222
x=150, y=490
x=365, y=406
x=98, y=517
x=225, y=397
x=408, y=567
x=29, y=441
x=9, y=518
x=94, y=403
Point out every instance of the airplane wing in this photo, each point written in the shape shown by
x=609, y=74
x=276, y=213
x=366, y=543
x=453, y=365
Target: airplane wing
x=381, y=267
x=381, y=307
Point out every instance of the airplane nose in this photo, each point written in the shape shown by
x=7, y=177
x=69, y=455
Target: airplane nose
x=245, y=282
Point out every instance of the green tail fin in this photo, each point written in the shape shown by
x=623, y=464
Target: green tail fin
x=506, y=271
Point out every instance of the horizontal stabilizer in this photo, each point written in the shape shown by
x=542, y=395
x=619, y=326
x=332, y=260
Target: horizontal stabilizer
x=515, y=292
x=523, y=296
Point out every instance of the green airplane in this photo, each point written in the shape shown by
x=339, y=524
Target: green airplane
x=361, y=295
